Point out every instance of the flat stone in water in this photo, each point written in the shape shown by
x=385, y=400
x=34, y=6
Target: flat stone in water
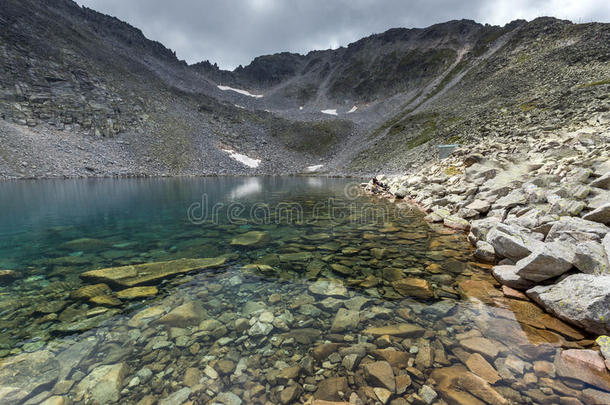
x=22, y=375
x=333, y=288
x=251, y=239
x=106, y=300
x=296, y=257
x=137, y=292
x=130, y=276
x=51, y=306
x=90, y=291
x=103, y=384
x=414, y=287
x=399, y=330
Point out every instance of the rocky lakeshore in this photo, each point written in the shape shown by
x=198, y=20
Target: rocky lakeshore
x=538, y=209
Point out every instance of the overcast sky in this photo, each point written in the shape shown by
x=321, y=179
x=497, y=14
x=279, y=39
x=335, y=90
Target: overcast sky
x=233, y=32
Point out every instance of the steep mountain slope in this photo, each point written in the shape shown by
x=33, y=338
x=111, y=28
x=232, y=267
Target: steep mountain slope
x=85, y=94
x=550, y=76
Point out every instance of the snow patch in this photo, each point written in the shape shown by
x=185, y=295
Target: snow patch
x=248, y=161
x=354, y=108
x=244, y=92
x=330, y=112
x=314, y=168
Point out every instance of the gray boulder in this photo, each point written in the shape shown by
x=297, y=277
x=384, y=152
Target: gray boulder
x=485, y=252
x=601, y=215
x=574, y=230
x=512, y=242
x=514, y=198
x=591, y=258
x=606, y=245
x=481, y=227
x=481, y=206
x=507, y=275
x=602, y=182
x=552, y=260
x=581, y=299
x=478, y=173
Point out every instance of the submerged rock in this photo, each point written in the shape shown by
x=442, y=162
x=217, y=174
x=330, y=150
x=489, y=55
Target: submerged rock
x=130, y=276
x=585, y=365
x=332, y=288
x=581, y=299
x=332, y=389
x=380, y=374
x=345, y=319
x=137, y=292
x=26, y=374
x=399, y=330
x=90, y=291
x=7, y=276
x=187, y=314
x=103, y=385
x=251, y=239
x=414, y=287
x=457, y=385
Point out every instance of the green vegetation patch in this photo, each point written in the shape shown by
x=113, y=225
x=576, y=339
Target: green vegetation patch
x=525, y=107
x=453, y=171
x=315, y=138
x=599, y=83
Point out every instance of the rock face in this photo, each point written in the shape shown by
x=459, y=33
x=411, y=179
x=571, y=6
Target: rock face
x=582, y=299
x=130, y=276
x=27, y=374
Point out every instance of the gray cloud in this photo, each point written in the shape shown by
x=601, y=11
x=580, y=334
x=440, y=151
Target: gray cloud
x=233, y=32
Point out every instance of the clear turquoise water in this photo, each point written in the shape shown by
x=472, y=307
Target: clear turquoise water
x=52, y=231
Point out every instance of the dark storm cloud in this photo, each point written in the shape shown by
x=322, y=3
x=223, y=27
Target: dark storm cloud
x=232, y=32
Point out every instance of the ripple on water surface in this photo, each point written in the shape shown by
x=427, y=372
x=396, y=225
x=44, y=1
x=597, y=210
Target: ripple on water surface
x=248, y=290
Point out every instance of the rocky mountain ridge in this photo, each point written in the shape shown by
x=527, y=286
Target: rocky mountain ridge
x=84, y=94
